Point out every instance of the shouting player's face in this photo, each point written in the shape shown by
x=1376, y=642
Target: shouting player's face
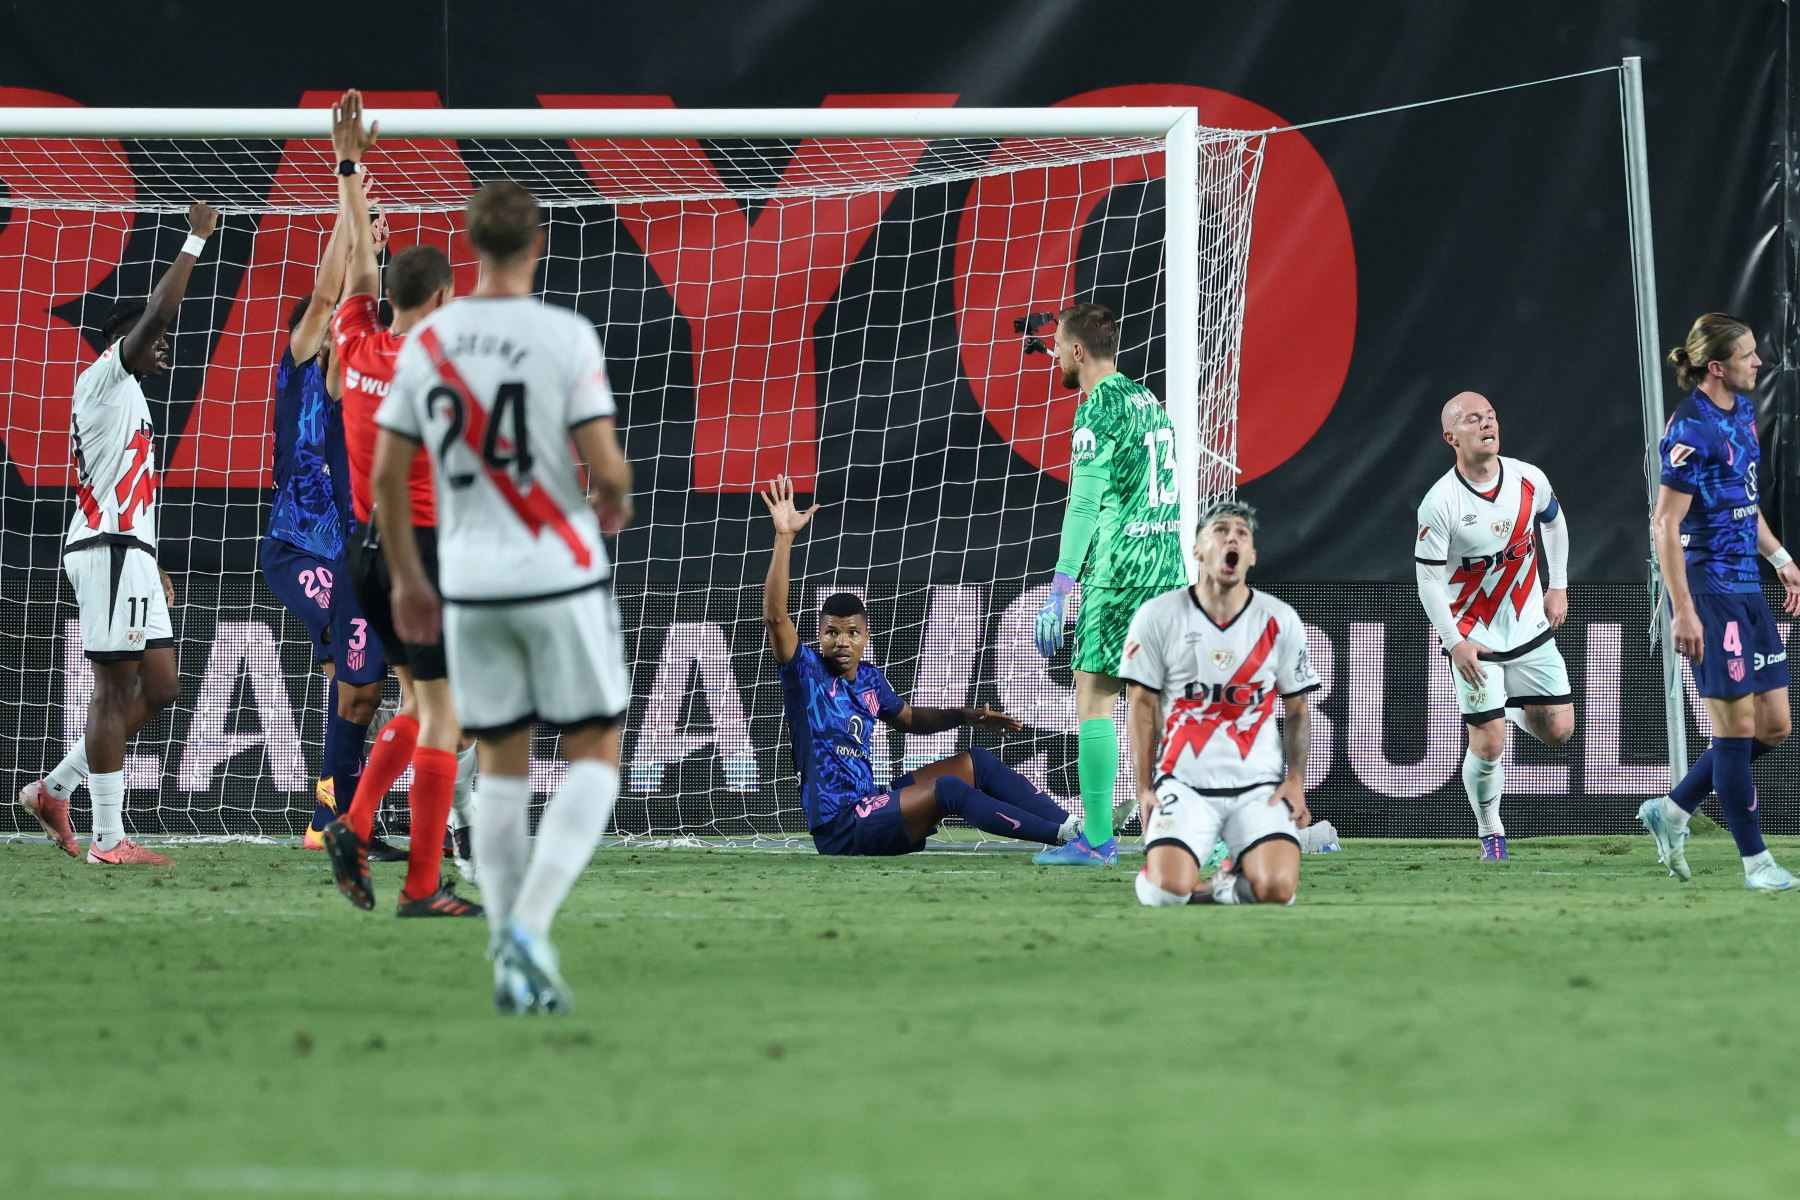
x=1226, y=551
x=1739, y=370
x=841, y=642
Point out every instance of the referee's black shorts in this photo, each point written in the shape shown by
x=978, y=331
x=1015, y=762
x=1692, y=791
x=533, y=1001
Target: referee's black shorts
x=369, y=572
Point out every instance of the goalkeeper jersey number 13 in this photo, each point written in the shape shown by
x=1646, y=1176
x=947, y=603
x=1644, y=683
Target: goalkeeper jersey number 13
x=1123, y=433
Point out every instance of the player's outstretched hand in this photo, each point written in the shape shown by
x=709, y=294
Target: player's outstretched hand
x=1293, y=794
x=417, y=613
x=1690, y=638
x=1790, y=579
x=779, y=498
x=1465, y=656
x=991, y=718
x=1556, y=606
x=203, y=218
x=348, y=137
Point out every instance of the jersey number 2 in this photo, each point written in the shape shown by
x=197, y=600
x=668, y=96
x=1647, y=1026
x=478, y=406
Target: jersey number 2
x=509, y=411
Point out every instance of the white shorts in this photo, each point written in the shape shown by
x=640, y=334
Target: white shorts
x=1536, y=677
x=120, y=594
x=1195, y=821
x=559, y=662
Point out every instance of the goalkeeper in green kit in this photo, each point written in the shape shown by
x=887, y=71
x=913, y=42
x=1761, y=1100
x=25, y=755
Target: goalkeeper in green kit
x=1121, y=537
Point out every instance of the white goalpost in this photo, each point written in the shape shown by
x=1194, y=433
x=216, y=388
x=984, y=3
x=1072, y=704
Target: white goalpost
x=849, y=296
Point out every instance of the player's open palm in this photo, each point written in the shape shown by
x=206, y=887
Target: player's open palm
x=203, y=218
x=992, y=718
x=348, y=137
x=779, y=498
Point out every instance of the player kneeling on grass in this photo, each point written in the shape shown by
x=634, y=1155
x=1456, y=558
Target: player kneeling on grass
x=833, y=699
x=1205, y=666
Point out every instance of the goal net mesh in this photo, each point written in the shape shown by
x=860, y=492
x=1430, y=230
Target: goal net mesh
x=868, y=316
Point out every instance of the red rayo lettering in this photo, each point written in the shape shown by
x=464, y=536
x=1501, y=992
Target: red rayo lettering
x=226, y=442
x=751, y=290
x=1016, y=254
x=49, y=260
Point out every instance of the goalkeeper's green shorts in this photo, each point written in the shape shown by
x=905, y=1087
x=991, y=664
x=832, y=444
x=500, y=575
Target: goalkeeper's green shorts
x=1101, y=623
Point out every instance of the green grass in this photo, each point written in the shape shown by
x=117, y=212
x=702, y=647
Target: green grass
x=754, y=1025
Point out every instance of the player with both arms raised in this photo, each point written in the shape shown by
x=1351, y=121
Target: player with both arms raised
x=1205, y=666
x=832, y=700
x=1497, y=613
x=110, y=558
x=1708, y=530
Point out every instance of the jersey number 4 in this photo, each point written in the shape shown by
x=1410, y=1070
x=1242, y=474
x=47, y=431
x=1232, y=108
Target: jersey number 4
x=500, y=452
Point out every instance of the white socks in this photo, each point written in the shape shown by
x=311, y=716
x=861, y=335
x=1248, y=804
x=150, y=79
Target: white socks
x=502, y=843
x=570, y=830
x=1151, y=896
x=108, y=792
x=462, y=799
x=68, y=774
x=1484, y=781
x=1071, y=829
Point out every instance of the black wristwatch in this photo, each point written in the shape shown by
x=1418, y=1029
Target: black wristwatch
x=346, y=166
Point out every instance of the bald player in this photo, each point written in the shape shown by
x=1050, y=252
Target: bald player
x=1496, y=598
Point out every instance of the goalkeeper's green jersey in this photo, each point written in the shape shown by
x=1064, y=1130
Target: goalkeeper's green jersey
x=1123, y=464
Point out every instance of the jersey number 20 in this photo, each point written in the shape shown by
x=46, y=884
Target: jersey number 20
x=509, y=413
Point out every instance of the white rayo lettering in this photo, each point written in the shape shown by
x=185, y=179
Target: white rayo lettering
x=1366, y=739
x=694, y=649
x=954, y=626
x=239, y=649
x=141, y=770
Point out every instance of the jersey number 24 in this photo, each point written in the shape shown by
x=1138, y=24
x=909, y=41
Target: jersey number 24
x=508, y=414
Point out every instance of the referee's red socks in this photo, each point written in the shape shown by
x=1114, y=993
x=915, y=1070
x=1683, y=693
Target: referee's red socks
x=393, y=749
x=433, y=788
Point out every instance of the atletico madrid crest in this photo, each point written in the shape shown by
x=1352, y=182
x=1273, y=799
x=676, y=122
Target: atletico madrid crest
x=1735, y=668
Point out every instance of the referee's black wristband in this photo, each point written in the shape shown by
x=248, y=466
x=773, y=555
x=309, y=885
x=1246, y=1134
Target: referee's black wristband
x=346, y=166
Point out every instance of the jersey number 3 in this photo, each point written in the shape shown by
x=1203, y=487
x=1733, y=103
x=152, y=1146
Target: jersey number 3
x=499, y=451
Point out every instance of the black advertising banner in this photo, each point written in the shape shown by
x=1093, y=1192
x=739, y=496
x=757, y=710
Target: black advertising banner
x=1394, y=260
x=705, y=752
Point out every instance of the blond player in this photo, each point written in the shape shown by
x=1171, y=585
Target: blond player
x=1208, y=667
x=498, y=386
x=1495, y=601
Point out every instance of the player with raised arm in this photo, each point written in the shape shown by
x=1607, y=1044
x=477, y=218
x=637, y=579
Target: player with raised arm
x=1496, y=609
x=1206, y=666
x=1708, y=529
x=302, y=555
x=832, y=699
x=109, y=555
x=497, y=386
x=1122, y=538
x=425, y=732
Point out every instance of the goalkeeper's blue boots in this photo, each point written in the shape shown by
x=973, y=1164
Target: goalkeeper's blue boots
x=1080, y=853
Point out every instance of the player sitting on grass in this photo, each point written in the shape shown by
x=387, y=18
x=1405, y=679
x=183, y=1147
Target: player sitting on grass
x=1206, y=666
x=832, y=701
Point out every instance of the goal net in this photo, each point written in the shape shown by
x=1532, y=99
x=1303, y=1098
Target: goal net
x=861, y=299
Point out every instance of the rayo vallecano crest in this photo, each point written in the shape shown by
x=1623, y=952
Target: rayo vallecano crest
x=1502, y=527
x=1222, y=659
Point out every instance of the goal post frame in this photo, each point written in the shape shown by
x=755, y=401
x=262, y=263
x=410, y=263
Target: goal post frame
x=1178, y=128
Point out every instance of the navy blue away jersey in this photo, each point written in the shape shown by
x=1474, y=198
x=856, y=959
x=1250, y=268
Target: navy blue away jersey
x=310, y=470
x=1712, y=455
x=830, y=720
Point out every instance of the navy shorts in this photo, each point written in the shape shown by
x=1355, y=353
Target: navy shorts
x=870, y=826
x=353, y=642
x=1744, y=653
x=305, y=585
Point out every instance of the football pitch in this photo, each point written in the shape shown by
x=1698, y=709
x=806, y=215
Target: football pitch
x=1572, y=1023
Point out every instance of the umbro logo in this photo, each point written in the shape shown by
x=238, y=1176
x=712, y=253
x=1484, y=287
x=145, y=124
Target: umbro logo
x=1468, y=518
